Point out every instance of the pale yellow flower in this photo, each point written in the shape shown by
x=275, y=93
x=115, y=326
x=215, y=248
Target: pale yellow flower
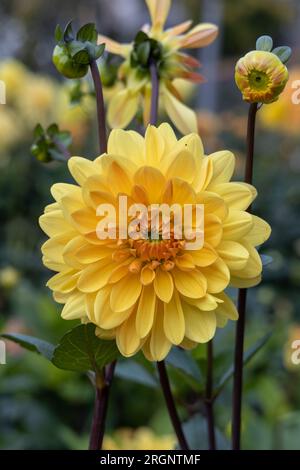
x=174, y=64
x=13, y=74
x=152, y=294
x=261, y=77
x=138, y=439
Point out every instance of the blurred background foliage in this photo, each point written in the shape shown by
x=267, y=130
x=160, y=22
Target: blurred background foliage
x=45, y=408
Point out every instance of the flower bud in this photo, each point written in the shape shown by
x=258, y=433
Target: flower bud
x=261, y=77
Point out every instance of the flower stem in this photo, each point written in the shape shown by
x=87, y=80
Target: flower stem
x=100, y=106
x=164, y=381
x=155, y=94
x=242, y=300
x=100, y=409
x=209, y=401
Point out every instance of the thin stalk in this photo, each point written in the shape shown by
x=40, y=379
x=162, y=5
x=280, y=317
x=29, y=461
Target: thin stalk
x=100, y=106
x=165, y=384
x=209, y=401
x=101, y=405
x=155, y=93
x=242, y=301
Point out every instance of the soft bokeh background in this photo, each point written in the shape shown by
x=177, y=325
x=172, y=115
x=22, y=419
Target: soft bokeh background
x=44, y=408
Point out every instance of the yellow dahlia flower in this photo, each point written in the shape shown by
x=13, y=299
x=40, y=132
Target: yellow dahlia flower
x=261, y=77
x=172, y=63
x=150, y=293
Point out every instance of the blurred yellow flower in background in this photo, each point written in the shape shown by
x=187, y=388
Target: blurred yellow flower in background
x=138, y=439
x=151, y=294
x=14, y=74
x=10, y=128
x=261, y=77
x=9, y=277
x=283, y=115
x=172, y=63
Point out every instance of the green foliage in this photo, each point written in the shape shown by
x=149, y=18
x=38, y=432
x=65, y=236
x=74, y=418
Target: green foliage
x=50, y=144
x=264, y=43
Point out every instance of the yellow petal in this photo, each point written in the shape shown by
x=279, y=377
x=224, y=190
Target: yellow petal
x=81, y=168
x=122, y=109
x=200, y=36
x=237, y=225
x=183, y=166
x=259, y=233
x=127, y=338
x=53, y=223
x=147, y=276
x=60, y=190
x=95, y=276
x=223, y=167
x=178, y=191
x=128, y=144
x=217, y=276
x=185, y=262
x=204, y=257
x=64, y=282
x=70, y=249
x=163, y=285
x=207, y=303
x=213, y=230
x=125, y=293
x=204, y=175
x=160, y=345
x=145, y=311
x=190, y=283
x=213, y=204
x=253, y=267
x=179, y=29
x=155, y=146
x=152, y=180
x=159, y=10
x=174, y=325
x=236, y=195
x=200, y=326
x=227, y=307
x=244, y=283
x=168, y=136
x=113, y=46
x=182, y=116
x=105, y=317
x=74, y=307
x=234, y=254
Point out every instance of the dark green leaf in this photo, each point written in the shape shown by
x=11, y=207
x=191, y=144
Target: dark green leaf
x=135, y=372
x=53, y=129
x=143, y=52
x=195, y=431
x=32, y=344
x=248, y=355
x=99, y=51
x=81, y=350
x=58, y=34
x=141, y=37
x=38, y=131
x=283, y=52
x=68, y=32
x=81, y=57
x=87, y=32
x=183, y=360
x=264, y=43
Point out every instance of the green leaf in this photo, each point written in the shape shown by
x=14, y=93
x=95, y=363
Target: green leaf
x=58, y=34
x=81, y=350
x=87, y=32
x=248, y=355
x=143, y=53
x=183, y=361
x=135, y=372
x=32, y=344
x=141, y=37
x=68, y=32
x=283, y=52
x=195, y=431
x=38, y=131
x=264, y=43
x=53, y=130
x=98, y=51
x=266, y=259
x=81, y=57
